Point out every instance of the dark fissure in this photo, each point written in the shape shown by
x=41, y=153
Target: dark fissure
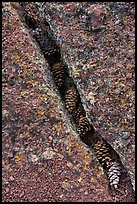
x=106, y=155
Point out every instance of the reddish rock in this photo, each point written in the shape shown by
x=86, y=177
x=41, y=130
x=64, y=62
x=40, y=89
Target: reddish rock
x=42, y=157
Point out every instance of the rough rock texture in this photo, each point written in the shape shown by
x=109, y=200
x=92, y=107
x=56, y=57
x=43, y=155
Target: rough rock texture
x=42, y=157
x=98, y=45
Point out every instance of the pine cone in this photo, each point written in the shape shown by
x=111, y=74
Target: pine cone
x=58, y=72
x=71, y=99
x=102, y=151
x=77, y=113
x=114, y=173
x=113, y=169
x=47, y=46
x=83, y=125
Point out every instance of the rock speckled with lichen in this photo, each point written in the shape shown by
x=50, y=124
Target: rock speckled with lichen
x=98, y=44
x=43, y=159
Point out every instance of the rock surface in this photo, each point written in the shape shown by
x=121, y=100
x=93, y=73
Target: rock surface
x=43, y=159
x=98, y=45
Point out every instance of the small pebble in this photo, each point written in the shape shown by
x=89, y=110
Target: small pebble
x=11, y=178
x=86, y=192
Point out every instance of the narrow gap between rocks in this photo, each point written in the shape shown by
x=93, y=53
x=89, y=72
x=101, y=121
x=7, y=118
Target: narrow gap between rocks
x=107, y=156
